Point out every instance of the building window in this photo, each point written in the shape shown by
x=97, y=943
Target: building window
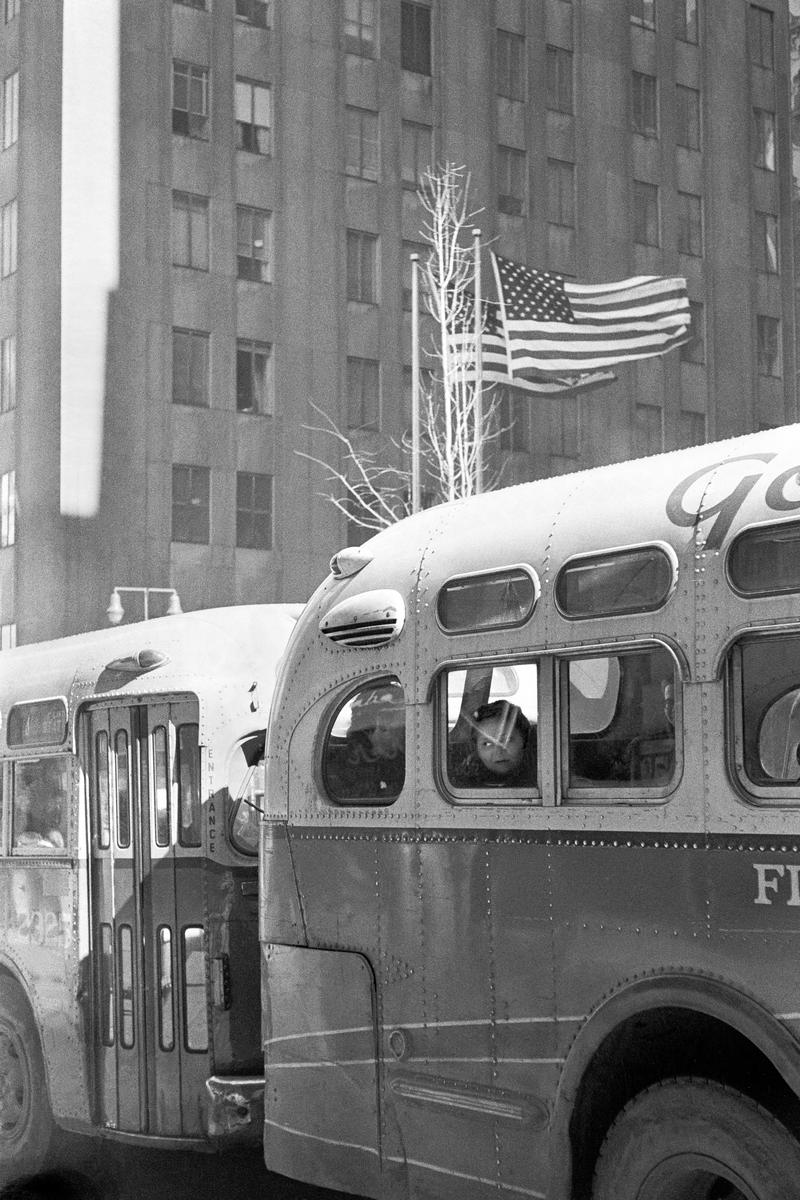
x=190, y=231
x=416, y=153
x=511, y=180
x=687, y=16
x=645, y=214
x=687, y=117
x=643, y=12
x=8, y=636
x=10, y=110
x=363, y=394
x=255, y=12
x=644, y=108
x=8, y=508
x=189, y=100
x=255, y=387
x=514, y=422
x=694, y=351
x=559, y=79
x=764, y=139
x=11, y=9
x=362, y=267
x=768, y=330
x=565, y=427
x=561, y=192
x=201, y=4
x=8, y=236
x=510, y=65
x=191, y=497
x=8, y=373
x=253, y=114
x=765, y=242
x=359, y=28
x=648, y=430
x=190, y=367
x=760, y=37
x=415, y=38
x=690, y=224
x=361, y=143
x=253, y=238
x=691, y=428
x=253, y=511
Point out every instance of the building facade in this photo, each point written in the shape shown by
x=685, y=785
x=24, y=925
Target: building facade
x=206, y=214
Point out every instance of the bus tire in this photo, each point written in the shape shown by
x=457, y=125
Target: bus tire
x=26, y=1122
x=693, y=1138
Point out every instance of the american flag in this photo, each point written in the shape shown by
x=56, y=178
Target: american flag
x=553, y=324
x=495, y=360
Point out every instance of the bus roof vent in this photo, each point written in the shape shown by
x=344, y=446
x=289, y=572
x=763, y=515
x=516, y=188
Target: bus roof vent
x=370, y=619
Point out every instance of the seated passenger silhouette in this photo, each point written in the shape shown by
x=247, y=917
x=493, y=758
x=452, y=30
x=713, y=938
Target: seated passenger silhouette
x=504, y=748
x=375, y=745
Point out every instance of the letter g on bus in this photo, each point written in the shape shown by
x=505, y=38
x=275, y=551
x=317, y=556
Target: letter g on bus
x=724, y=510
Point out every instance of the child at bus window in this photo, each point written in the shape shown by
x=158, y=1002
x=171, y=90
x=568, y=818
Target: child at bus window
x=504, y=748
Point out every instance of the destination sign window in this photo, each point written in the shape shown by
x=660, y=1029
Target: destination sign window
x=39, y=723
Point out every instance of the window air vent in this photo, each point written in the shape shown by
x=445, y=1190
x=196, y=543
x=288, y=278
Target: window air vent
x=370, y=619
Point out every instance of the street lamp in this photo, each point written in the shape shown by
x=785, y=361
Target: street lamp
x=115, y=612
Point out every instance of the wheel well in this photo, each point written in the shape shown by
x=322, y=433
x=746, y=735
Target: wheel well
x=656, y=1044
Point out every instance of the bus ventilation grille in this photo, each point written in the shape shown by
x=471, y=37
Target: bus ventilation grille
x=371, y=619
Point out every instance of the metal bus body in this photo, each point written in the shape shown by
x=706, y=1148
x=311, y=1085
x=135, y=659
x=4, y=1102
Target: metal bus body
x=128, y=881
x=472, y=989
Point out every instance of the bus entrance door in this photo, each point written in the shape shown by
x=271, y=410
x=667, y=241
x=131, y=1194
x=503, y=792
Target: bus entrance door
x=151, y=1033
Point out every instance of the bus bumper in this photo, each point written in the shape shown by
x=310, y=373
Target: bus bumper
x=235, y=1107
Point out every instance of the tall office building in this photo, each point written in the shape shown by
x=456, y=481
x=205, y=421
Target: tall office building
x=206, y=214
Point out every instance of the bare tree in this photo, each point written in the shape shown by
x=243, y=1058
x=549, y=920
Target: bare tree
x=456, y=420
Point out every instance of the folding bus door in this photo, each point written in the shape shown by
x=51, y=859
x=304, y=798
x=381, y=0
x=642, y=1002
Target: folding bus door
x=151, y=1029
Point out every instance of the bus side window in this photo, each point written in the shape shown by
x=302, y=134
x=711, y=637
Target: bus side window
x=770, y=714
x=40, y=797
x=621, y=719
x=492, y=721
x=364, y=755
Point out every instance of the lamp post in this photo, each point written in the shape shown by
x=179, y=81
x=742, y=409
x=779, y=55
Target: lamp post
x=115, y=612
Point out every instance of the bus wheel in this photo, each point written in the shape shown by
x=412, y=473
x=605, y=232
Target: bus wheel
x=693, y=1139
x=26, y=1123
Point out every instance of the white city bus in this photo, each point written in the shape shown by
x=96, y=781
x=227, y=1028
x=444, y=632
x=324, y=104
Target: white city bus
x=530, y=890
x=128, y=881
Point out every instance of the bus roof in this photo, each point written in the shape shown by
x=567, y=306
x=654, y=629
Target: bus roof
x=165, y=654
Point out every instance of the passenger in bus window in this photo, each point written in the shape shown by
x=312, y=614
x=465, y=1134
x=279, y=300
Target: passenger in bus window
x=374, y=761
x=504, y=748
x=39, y=802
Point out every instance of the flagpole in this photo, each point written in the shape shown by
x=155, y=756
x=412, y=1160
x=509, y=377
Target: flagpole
x=416, y=491
x=476, y=236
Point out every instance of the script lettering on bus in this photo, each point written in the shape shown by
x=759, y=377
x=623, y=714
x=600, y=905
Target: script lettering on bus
x=779, y=882
x=777, y=496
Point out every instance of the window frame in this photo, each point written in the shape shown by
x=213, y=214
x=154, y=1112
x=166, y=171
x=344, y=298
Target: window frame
x=761, y=37
x=253, y=267
x=362, y=133
x=687, y=16
x=559, y=80
x=192, y=205
x=759, y=795
x=694, y=351
x=353, y=363
x=512, y=174
x=361, y=251
x=325, y=725
x=645, y=217
x=356, y=42
x=765, y=223
x=664, y=548
x=416, y=38
x=248, y=133
x=203, y=504
x=197, y=120
x=254, y=6
x=11, y=110
x=766, y=323
x=254, y=348
x=765, y=149
x=644, y=104
x=417, y=138
x=638, y=12
x=632, y=793
x=193, y=338
x=691, y=240
x=689, y=117
x=8, y=372
x=559, y=170
x=511, y=80
x=248, y=516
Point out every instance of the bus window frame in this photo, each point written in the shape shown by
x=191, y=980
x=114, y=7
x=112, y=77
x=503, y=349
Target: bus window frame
x=495, y=797
x=754, y=795
x=325, y=726
x=641, y=795
x=40, y=850
x=485, y=630
x=664, y=547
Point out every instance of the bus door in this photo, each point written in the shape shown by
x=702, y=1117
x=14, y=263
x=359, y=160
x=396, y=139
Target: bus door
x=151, y=1033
